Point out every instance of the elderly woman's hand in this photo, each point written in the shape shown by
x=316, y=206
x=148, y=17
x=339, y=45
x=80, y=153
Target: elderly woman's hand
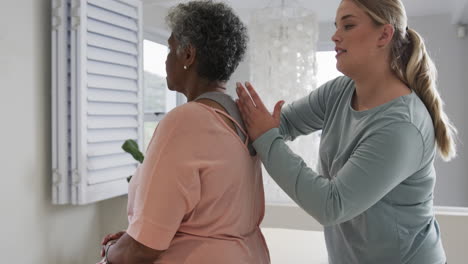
x=109, y=238
x=256, y=117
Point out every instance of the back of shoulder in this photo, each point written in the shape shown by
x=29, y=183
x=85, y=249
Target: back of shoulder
x=420, y=116
x=187, y=109
x=407, y=115
x=410, y=109
x=188, y=115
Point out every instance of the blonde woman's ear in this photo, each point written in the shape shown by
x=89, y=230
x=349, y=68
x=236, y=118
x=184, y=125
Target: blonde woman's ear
x=386, y=35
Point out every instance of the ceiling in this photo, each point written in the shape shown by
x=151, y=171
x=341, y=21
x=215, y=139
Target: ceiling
x=325, y=10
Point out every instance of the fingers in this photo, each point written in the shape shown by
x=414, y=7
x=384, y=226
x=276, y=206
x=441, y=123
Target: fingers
x=277, y=111
x=249, y=102
x=242, y=111
x=105, y=240
x=244, y=97
x=116, y=236
x=256, y=99
x=110, y=237
x=119, y=234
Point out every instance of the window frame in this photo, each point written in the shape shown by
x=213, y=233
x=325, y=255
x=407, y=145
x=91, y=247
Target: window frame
x=159, y=37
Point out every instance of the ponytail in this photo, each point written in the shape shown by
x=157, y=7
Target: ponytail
x=412, y=65
x=419, y=73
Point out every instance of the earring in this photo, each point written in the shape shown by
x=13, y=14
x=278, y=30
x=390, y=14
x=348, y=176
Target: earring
x=185, y=67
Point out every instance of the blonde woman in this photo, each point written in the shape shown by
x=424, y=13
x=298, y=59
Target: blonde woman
x=381, y=125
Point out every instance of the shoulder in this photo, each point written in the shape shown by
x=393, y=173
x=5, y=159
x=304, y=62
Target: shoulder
x=186, y=114
x=409, y=109
x=334, y=89
x=420, y=117
x=189, y=109
x=402, y=136
x=185, y=119
x=341, y=82
x=406, y=127
x=338, y=85
x=181, y=125
x=400, y=129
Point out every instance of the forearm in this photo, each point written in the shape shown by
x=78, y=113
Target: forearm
x=326, y=200
x=305, y=186
x=299, y=119
x=128, y=251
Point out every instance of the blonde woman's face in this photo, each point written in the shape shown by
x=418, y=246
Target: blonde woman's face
x=356, y=39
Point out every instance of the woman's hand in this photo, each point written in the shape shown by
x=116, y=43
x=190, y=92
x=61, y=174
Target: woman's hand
x=108, y=238
x=256, y=117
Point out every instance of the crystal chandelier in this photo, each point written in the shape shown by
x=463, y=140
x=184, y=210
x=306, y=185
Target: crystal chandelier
x=283, y=66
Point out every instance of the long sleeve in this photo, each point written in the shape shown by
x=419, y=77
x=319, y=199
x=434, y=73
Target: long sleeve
x=307, y=114
x=379, y=162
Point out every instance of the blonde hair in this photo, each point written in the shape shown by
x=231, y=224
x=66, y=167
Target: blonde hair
x=412, y=64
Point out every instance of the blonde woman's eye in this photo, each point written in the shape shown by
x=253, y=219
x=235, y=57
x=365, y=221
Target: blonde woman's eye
x=346, y=27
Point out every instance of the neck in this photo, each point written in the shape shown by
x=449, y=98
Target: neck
x=376, y=87
x=195, y=89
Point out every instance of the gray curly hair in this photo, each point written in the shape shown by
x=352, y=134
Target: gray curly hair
x=215, y=31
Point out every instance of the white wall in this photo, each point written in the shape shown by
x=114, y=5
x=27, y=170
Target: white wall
x=295, y=246
x=32, y=230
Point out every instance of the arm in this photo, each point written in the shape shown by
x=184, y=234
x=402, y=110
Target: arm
x=301, y=117
x=379, y=163
x=305, y=115
x=168, y=173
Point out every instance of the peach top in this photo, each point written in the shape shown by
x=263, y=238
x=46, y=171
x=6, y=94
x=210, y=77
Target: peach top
x=198, y=194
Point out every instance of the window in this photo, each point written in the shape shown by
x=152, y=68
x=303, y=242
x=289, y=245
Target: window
x=326, y=67
x=158, y=100
x=97, y=88
x=326, y=70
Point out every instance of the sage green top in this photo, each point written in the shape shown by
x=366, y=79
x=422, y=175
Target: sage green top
x=374, y=188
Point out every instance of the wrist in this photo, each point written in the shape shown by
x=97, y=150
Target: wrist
x=106, y=252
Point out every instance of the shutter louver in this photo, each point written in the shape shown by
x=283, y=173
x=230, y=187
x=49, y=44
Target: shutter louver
x=105, y=98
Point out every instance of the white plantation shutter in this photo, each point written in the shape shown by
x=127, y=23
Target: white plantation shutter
x=60, y=102
x=97, y=105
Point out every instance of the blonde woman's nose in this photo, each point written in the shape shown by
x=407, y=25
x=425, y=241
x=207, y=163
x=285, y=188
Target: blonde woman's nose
x=335, y=38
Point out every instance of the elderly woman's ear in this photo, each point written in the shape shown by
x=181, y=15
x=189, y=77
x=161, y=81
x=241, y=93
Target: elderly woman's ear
x=189, y=54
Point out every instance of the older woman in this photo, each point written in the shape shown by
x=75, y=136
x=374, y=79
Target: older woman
x=198, y=197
